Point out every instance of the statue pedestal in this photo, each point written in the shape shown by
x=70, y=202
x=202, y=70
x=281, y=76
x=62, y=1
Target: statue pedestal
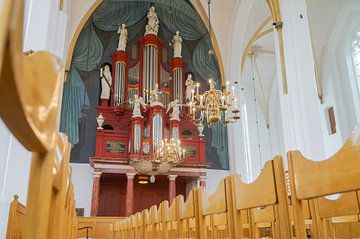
x=104, y=102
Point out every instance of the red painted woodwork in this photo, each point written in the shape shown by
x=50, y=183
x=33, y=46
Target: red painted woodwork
x=202, y=181
x=112, y=195
x=95, y=194
x=115, y=195
x=151, y=194
x=129, y=206
x=172, y=188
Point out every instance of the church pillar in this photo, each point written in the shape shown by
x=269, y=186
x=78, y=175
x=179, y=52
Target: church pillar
x=300, y=109
x=129, y=207
x=202, y=181
x=95, y=194
x=172, y=188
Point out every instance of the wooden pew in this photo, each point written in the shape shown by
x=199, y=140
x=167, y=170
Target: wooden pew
x=152, y=223
x=185, y=216
x=169, y=219
x=16, y=219
x=312, y=180
x=213, y=217
x=101, y=227
x=338, y=214
x=268, y=192
x=62, y=221
x=31, y=85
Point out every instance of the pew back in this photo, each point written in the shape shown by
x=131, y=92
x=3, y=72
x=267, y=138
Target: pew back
x=15, y=219
x=338, y=174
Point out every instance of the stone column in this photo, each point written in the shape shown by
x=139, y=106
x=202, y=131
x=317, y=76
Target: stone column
x=172, y=188
x=203, y=181
x=95, y=194
x=129, y=207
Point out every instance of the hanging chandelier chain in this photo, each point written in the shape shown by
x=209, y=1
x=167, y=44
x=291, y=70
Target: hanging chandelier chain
x=256, y=110
x=209, y=15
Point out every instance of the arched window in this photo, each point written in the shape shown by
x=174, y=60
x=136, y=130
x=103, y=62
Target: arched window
x=356, y=58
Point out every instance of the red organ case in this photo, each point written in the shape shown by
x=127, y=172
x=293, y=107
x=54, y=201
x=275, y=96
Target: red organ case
x=115, y=142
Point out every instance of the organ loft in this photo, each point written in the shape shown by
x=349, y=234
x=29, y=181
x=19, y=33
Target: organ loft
x=143, y=114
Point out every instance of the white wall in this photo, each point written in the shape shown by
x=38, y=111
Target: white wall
x=333, y=24
x=213, y=179
x=14, y=173
x=82, y=178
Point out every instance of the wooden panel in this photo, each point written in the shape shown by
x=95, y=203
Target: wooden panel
x=342, y=230
x=340, y=173
x=186, y=209
x=112, y=200
x=216, y=202
x=261, y=192
x=100, y=226
x=355, y=230
x=169, y=213
x=347, y=204
x=264, y=214
x=332, y=120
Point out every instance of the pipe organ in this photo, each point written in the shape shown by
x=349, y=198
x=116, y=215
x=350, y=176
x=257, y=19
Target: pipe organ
x=120, y=72
x=177, y=70
x=150, y=51
x=122, y=135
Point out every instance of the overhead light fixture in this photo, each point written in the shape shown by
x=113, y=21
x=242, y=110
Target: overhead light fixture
x=213, y=106
x=143, y=180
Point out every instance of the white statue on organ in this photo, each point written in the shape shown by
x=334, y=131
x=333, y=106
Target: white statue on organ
x=176, y=43
x=154, y=94
x=138, y=102
x=123, y=37
x=175, y=115
x=106, y=81
x=153, y=22
x=190, y=86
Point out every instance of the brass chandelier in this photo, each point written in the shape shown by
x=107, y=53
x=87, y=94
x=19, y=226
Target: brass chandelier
x=214, y=106
x=168, y=154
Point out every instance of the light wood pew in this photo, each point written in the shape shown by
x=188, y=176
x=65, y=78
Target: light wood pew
x=138, y=225
x=312, y=180
x=60, y=188
x=338, y=214
x=124, y=228
x=101, y=227
x=148, y=227
x=213, y=219
x=16, y=219
x=169, y=219
x=186, y=216
x=268, y=192
x=61, y=221
x=33, y=121
x=153, y=223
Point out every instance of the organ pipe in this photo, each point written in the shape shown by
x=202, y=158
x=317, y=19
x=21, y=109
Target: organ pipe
x=119, y=88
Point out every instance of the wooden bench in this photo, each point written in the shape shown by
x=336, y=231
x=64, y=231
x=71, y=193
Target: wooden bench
x=310, y=181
